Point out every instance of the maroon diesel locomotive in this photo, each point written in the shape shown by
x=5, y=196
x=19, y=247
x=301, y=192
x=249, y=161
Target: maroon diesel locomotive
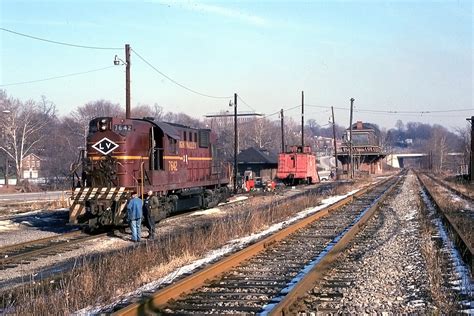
x=176, y=162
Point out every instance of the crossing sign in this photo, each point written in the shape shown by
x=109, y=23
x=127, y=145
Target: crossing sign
x=105, y=146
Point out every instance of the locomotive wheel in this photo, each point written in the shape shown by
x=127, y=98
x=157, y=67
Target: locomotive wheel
x=106, y=217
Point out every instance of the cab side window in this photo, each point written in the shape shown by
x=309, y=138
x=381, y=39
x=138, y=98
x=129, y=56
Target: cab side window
x=172, y=145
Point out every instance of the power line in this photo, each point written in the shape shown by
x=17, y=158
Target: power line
x=278, y=112
x=265, y=116
x=238, y=96
x=57, y=77
x=413, y=112
x=56, y=42
x=325, y=107
x=362, y=110
x=177, y=83
x=410, y=114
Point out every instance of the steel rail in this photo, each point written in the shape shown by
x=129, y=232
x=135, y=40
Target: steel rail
x=460, y=237
x=161, y=297
x=450, y=188
x=318, y=271
x=41, y=246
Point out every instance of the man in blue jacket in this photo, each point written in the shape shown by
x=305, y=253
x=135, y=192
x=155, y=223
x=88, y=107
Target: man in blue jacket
x=134, y=212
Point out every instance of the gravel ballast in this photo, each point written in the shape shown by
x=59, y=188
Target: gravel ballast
x=384, y=269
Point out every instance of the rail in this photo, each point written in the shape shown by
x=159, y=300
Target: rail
x=15, y=254
x=463, y=242
x=159, y=299
x=450, y=188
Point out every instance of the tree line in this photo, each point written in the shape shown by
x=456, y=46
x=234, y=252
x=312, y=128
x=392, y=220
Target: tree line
x=35, y=127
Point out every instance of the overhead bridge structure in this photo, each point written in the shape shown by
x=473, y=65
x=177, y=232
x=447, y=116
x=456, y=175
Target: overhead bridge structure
x=398, y=160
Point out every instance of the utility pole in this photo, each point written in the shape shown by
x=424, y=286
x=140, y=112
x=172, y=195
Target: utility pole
x=431, y=160
x=334, y=137
x=471, y=165
x=282, y=132
x=6, y=171
x=236, y=139
x=350, y=141
x=236, y=142
x=302, y=119
x=127, y=81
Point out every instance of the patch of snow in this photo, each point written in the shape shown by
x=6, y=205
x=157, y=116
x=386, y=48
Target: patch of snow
x=235, y=199
x=410, y=215
x=206, y=212
x=8, y=225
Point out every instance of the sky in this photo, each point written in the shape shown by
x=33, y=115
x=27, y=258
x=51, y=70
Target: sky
x=399, y=60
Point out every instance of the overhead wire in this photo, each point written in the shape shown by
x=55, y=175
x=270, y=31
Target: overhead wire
x=56, y=77
x=57, y=42
x=360, y=110
x=240, y=98
x=265, y=116
x=412, y=112
x=175, y=82
x=365, y=110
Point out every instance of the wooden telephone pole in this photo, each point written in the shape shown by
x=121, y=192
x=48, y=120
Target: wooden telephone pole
x=351, y=158
x=302, y=119
x=236, y=142
x=127, y=81
x=471, y=164
x=282, y=132
x=334, y=137
x=236, y=132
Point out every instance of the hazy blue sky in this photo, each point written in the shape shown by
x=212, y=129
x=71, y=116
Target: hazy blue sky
x=388, y=55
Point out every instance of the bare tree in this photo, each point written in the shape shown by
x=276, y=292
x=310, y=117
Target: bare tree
x=400, y=126
x=258, y=132
x=438, y=147
x=292, y=132
x=23, y=125
x=182, y=118
x=144, y=110
x=465, y=145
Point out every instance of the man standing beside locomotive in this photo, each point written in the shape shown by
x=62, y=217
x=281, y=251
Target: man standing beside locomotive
x=134, y=212
x=149, y=208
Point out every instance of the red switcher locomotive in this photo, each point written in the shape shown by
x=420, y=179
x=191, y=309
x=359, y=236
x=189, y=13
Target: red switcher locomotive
x=176, y=162
x=297, y=166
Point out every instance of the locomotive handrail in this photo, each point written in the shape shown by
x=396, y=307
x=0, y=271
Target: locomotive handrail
x=142, y=177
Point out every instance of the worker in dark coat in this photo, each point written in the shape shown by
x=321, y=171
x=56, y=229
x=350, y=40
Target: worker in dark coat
x=134, y=213
x=150, y=207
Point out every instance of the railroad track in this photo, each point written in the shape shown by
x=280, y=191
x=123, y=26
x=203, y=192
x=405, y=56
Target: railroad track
x=327, y=297
x=460, y=223
x=262, y=277
x=448, y=187
x=334, y=293
x=23, y=253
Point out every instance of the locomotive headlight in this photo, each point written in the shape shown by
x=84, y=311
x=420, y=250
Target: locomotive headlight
x=103, y=124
